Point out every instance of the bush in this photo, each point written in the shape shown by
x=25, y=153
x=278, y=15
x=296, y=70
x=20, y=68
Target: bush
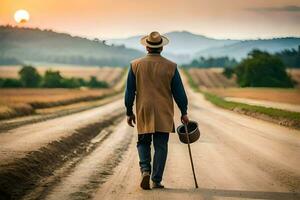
x=261, y=69
x=228, y=72
x=29, y=77
x=10, y=83
x=94, y=83
x=52, y=79
x=72, y=82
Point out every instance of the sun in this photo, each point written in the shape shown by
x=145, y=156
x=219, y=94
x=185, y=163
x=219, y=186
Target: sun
x=21, y=16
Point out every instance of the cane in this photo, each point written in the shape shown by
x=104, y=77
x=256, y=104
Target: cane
x=190, y=153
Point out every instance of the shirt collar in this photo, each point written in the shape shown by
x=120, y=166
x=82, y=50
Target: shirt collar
x=153, y=54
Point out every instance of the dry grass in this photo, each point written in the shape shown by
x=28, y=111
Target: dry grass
x=111, y=75
x=211, y=78
x=19, y=102
x=291, y=96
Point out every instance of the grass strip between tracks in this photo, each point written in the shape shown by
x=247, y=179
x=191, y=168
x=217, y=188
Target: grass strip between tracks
x=22, y=175
x=279, y=116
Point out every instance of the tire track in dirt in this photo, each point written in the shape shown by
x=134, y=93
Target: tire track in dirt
x=22, y=175
x=93, y=169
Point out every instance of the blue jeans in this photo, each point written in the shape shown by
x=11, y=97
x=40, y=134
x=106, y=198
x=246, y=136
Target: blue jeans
x=160, y=143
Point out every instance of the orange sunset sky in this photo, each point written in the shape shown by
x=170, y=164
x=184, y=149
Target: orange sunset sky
x=235, y=19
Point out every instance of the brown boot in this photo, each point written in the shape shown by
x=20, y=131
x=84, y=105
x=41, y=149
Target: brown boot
x=145, y=182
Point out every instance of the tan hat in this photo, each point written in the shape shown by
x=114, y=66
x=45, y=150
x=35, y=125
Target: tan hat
x=154, y=40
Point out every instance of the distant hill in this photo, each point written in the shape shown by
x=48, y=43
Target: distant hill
x=181, y=42
x=35, y=45
x=184, y=46
x=240, y=49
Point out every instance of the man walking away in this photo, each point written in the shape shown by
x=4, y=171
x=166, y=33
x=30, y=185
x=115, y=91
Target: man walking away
x=155, y=81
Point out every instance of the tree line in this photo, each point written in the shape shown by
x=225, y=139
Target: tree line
x=29, y=77
x=203, y=62
x=260, y=69
x=290, y=57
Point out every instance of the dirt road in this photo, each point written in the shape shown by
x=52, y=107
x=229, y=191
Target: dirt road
x=237, y=157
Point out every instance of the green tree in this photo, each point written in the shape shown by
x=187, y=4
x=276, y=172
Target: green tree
x=261, y=69
x=94, y=83
x=10, y=83
x=29, y=76
x=52, y=79
x=228, y=72
x=72, y=82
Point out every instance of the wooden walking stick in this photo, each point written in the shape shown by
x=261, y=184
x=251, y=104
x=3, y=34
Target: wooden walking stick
x=190, y=153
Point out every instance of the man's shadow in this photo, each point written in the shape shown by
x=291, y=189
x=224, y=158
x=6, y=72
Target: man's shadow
x=207, y=193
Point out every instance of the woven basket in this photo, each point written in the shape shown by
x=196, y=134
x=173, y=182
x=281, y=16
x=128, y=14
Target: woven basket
x=193, y=132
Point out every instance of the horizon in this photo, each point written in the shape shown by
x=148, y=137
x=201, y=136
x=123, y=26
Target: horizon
x=163, y=33
x=219, y=19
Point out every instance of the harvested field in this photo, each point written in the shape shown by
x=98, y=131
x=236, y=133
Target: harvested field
x=19, y=102
x=211, y=78
x=111, y=75
x=291, y=96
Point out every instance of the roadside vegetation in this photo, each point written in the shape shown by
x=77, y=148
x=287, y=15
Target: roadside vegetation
x=29, y=77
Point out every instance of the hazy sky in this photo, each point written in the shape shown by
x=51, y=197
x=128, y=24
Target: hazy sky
x=235, y=19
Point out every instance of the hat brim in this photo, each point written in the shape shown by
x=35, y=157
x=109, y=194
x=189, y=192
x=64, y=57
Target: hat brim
x=164, y=42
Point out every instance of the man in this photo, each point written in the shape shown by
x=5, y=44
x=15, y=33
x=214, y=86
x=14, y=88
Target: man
x=154, y=80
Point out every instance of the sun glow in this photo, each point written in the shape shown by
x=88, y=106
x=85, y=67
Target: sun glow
x=21, y=16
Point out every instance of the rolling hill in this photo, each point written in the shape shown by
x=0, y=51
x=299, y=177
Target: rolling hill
x=181, y=42
x=182, y=47
x=46, y=46
x=240, y=49
x=185, y=46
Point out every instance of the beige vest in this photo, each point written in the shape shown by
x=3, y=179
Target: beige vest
x=154, y=101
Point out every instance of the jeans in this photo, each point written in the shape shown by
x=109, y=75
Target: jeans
x=160, y=143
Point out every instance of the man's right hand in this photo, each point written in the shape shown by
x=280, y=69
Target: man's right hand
x=185, y=119
x=131, y=119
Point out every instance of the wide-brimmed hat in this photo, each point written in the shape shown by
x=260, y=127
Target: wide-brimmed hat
x=154, y=40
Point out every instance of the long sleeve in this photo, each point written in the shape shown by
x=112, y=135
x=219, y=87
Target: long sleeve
x=179, y=93
x=130, y=92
